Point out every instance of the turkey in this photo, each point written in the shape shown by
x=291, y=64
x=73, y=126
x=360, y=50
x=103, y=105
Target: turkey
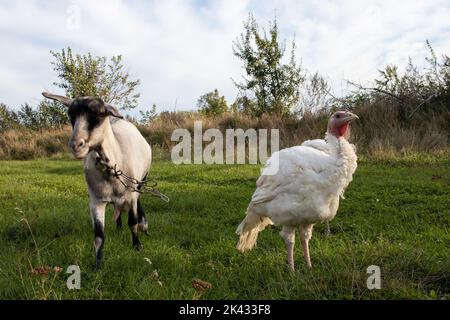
x=300, y=186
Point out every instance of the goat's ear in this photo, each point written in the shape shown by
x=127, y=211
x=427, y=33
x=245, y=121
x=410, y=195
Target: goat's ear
x=113, y=111
x=64, y=100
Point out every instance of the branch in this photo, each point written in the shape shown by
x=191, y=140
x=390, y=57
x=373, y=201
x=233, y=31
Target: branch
x=343, y=101
x=377, y=90
x=434, y=95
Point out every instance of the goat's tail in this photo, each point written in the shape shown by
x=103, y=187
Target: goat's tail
x=249, y=228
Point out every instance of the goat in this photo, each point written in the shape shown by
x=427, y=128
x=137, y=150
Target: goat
x=100, y=132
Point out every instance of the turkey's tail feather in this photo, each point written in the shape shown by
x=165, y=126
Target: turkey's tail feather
x=248, y=230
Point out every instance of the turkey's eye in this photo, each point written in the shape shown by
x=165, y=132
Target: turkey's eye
x=338, y=116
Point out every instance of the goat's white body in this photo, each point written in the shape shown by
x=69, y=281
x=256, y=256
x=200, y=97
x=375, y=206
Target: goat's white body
x=127, y=149
x=99, y=126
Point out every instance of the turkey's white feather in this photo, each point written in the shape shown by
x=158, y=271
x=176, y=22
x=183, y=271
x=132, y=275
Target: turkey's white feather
x=308, y=183
x=319, y=144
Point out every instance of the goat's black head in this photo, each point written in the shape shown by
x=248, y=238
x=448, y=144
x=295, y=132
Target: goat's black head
x=87, y=116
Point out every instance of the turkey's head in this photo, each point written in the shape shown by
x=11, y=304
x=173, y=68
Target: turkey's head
x=338, y=125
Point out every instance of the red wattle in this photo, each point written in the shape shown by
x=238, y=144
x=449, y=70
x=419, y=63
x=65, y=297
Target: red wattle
x=343, y=129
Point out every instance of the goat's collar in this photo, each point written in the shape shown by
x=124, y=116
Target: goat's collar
x=102, y=161
x=100, y=155
x=130, y=183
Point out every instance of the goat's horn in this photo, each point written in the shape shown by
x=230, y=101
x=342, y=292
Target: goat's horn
x=113, y=111
x=64, y=100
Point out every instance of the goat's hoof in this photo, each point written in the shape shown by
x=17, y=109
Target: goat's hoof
x=143, y=228
x=138, y=246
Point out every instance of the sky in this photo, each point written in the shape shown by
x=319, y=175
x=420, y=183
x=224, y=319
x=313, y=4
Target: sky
x=183, y=49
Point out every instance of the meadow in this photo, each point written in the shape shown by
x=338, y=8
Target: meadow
x=395, y=215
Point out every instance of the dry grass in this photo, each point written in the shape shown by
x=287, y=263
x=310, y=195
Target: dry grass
x=380, y=133
x=27, y=144
x=384, y=132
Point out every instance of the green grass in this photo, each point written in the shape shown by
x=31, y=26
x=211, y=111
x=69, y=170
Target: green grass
x=395, y=215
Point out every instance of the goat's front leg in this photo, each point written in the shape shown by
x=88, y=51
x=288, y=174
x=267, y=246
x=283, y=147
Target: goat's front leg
x=98, y=222
x=133, y=224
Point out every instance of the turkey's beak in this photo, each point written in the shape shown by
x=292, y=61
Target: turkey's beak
x=350, y=117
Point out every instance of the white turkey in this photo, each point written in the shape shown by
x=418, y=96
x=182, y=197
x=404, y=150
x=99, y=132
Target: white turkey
x=301, y=186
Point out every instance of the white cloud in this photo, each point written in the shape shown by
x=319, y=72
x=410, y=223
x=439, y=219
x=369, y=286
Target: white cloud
x=182, y=49
x=352, y=39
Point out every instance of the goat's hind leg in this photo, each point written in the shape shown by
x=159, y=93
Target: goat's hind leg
x=142, y=220
x=119, y=223
x=133, y=224
x=118, y=218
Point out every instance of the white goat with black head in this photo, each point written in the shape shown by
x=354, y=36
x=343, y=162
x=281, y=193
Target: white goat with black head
x=99, y=132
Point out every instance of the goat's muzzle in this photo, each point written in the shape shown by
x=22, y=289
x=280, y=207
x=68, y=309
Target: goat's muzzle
x=79, y=148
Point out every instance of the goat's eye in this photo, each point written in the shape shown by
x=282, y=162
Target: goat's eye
x=94, y=119
x=72, y=118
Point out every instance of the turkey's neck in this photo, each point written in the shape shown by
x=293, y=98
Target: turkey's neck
x=345, y=164
x=341, y=146
x=334, y=141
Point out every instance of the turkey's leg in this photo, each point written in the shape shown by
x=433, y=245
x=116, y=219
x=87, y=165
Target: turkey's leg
x=288, y=234
x=327, y=228
x=305, y=236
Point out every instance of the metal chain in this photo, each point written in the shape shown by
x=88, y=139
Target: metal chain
x=141, y=186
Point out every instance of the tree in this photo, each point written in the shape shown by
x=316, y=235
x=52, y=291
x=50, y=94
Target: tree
x=28, y=117
x=415, y=84
x=47, y=114
x=83, y=75
x=245, y=105
x=8, y=118
x=415, y=87
x=212, y=104
x=416, y=91
x=275, y=85
x=147, y=116
x=314, y=94
x=52, y=114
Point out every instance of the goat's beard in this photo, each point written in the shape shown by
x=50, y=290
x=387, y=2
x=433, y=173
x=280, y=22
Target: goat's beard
x=82, y=154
